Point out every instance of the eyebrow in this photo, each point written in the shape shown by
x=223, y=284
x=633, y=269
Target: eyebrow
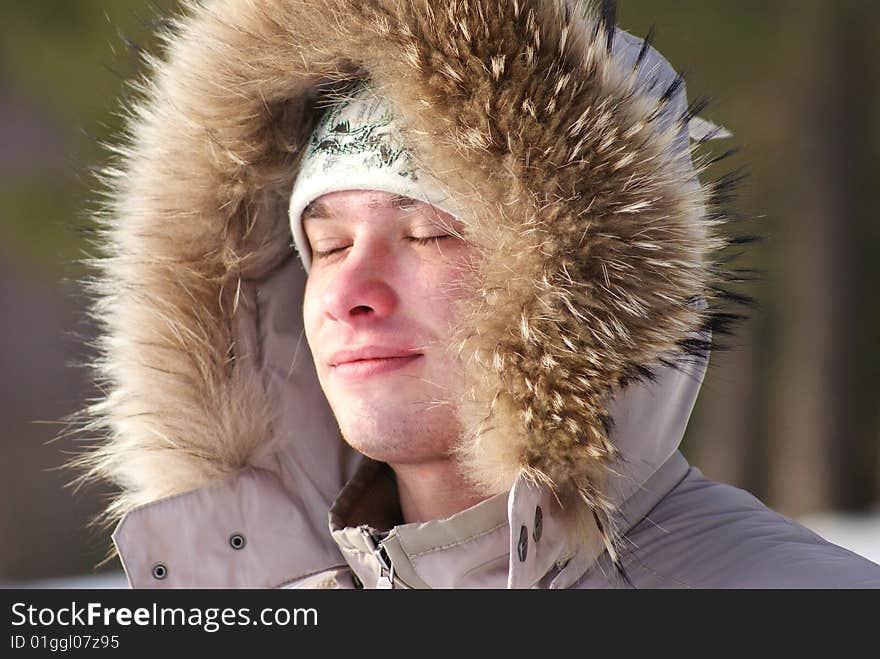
x=319, y=209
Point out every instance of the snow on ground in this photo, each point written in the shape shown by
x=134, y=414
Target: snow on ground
x=857, y=532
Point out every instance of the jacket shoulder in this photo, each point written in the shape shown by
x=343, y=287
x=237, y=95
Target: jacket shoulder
x=705, y=534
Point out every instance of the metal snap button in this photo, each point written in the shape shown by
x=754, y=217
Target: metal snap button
x=539, y=523
x=237, y=541
x=522, y=546
x=160, y=571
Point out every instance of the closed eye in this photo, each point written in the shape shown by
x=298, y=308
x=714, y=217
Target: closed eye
x=427, y=241
x=319, y=255
x=419, y=241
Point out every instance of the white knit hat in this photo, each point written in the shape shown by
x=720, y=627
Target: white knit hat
x=356, y=146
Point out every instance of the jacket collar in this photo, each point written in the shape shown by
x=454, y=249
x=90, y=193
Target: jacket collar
x=511, y=540
x=474, y=548
x=502, y=542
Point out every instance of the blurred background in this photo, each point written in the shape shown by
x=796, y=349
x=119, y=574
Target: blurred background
x=790, y=413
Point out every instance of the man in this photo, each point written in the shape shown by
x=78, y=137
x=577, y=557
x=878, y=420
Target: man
x=506, y=283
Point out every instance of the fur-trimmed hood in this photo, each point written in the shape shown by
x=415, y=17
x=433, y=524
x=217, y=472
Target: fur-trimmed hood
x=566, y=141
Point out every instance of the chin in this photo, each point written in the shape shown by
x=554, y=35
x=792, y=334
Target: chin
x=404, y=438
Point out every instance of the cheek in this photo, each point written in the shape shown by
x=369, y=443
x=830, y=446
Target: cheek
x=439, y=294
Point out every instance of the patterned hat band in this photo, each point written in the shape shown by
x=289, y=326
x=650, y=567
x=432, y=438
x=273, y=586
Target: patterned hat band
x=356, y=146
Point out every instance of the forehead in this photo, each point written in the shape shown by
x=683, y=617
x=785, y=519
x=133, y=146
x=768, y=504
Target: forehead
x=342, y=203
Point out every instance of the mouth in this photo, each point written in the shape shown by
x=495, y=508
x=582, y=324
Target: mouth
x=364, y=368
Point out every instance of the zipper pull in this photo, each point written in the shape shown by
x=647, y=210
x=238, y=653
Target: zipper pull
x=386, y=568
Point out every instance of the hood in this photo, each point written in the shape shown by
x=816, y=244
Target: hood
x=564, y=141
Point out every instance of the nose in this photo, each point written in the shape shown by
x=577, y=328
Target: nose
x=360, y=290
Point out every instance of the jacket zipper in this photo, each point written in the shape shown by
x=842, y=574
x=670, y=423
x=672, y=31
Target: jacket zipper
x=386, y=567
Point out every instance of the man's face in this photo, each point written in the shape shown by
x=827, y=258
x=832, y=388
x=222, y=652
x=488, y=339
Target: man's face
x=382, y=283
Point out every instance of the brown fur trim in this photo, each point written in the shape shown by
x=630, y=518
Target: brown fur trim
x=593, y=237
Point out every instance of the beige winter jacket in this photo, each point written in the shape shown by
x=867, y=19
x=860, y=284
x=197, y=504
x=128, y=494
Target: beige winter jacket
x=568, y=145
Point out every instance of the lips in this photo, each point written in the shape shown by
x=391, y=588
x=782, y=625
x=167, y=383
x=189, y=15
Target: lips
x=363, y=368
x=371, y=360
x=369, y=353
